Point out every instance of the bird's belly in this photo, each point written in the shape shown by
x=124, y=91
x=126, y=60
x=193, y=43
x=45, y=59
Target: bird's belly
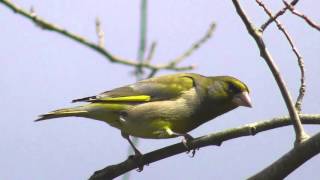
x=150, y=120
x=154, y=129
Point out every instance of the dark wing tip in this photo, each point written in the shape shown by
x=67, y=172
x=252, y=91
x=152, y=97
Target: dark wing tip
x=86, y=99
x=40, y=118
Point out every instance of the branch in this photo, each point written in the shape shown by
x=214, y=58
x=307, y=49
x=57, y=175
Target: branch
x=308, y=20
x=291, y=160
x=302, y=88
x=279, y=13
x=151, y=52
x=142, y=38
x=150, y=57
x=264, y=53
x=195, y=45
x=114, y=59
x=100, y=33
x=251, y=129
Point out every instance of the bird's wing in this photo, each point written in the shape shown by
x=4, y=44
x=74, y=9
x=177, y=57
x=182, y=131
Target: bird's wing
x=153, y=89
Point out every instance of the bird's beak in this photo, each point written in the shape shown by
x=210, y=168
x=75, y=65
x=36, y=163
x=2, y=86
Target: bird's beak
x=242, y=99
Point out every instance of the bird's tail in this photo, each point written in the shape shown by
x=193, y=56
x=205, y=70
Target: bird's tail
x=66, y=112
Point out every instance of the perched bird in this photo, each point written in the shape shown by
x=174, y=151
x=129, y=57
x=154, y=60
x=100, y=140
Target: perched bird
x=161, y=107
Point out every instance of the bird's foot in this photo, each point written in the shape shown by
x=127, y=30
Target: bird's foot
x=136, y=158
x=137, y=154
x=186, y=142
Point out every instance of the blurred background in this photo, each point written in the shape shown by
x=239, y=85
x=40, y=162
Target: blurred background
x=41, y=71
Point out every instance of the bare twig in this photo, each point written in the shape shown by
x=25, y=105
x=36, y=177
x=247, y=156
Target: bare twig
x=150, y=57
x=151, y=52
x=264, y=53
x=302, y=88
x=299, y=14
x=152, y=73
x=115, y=59
x=100, y=33
x=279, y=13
x=251, y=129
x=195, y=45
x=142, y=39
x=143, y=30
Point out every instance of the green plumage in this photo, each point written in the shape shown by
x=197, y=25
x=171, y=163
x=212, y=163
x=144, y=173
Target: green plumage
x=161, y=107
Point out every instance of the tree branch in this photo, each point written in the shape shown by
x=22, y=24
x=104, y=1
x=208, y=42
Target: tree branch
x=279, y=13
x=264, y=53
x=151, y=52
x=308, y=20
x=113, y=58
x=251, y=129
x=291, y=160
x=302, y=88
x=142, y=39
x=195, y=45
x=100, y=33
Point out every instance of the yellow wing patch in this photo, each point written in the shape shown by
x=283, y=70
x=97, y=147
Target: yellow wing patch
x=139, y=98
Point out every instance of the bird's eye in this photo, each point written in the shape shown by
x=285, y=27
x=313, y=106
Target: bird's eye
x=232, y=88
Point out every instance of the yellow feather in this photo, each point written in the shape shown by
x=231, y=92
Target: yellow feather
x=139, y=98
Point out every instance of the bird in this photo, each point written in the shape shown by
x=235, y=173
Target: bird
x=161, y=107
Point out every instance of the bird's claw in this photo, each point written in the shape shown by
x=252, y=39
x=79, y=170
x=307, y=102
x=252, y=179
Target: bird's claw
x=186, y=142
x=137, y=159
x=193, y=152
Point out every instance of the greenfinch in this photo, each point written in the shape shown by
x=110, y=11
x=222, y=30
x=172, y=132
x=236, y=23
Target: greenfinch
x=161, y=107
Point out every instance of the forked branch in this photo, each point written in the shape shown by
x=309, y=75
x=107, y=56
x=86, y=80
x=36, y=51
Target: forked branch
x=302, y=88
x=265, y=54
x=279, y=13
x=46, y=25
x=304, y=17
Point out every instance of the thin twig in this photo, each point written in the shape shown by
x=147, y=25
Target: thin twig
x=151, y=52
x=299, y=14
x=279, y=13
x=143, y=30
x=251, y=129
x=152, y=73
x=142, y=38
x=115, y=59
x=150, y=57
x=100, y=33
x=195, y=45
x=302, y=88
x=264, y=53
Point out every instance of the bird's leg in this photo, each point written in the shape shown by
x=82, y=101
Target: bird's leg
x=186, y=140
x=136, y=151
x=137, y=154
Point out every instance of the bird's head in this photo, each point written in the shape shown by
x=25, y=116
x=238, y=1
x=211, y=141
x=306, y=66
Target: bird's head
x=229, y=89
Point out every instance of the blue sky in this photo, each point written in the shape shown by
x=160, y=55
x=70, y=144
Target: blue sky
x=41, y=71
